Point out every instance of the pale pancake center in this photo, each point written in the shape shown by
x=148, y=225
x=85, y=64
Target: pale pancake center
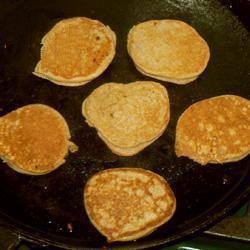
x=168, y=48
x=128, y=114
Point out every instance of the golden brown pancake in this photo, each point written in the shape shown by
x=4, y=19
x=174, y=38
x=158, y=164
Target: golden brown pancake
x=128, y=203
x=168, y=50
x=34, y=139
x=215, y=130
x=128, y=117
x=75, y=51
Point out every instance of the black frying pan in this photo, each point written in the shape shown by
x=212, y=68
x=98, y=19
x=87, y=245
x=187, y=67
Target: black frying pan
x=44, y=208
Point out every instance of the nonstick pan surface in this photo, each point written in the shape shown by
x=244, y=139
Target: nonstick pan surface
x=46, y=208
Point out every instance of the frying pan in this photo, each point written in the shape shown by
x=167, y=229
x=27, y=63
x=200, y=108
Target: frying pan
x=49, y=208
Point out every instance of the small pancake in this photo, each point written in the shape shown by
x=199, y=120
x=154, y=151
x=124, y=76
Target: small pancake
x=128, y=203
x=215, y=130
x=75, y=51
x=168, y=50
x=128, y=117
x=34, y=139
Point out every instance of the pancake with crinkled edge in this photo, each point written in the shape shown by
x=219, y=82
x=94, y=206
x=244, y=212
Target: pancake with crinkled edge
x=215, y=130
x=75, y=51
x=128, y=117
x=168, y=50
x=34, y=139
x=128, y=203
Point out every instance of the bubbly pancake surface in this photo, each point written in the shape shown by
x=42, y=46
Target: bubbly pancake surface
x=169, y=50
x=128, y=203
x=215, y=130
x=76, y=50
x=127, y=115
x=34, y=139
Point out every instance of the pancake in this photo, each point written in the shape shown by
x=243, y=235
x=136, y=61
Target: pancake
x=168, y=50
x=75, y=51
x=128, y=117
x=128, y=203
x=34, y=139
x=215, y=130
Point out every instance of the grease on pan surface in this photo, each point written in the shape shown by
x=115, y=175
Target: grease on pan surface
x=215, y=130
x=128, y=203
x=168, y=50
x=128, y=117
x=34, y=139
x=75, y=51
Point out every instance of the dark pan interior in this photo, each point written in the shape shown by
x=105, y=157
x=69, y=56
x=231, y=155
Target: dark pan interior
x=42, y=207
